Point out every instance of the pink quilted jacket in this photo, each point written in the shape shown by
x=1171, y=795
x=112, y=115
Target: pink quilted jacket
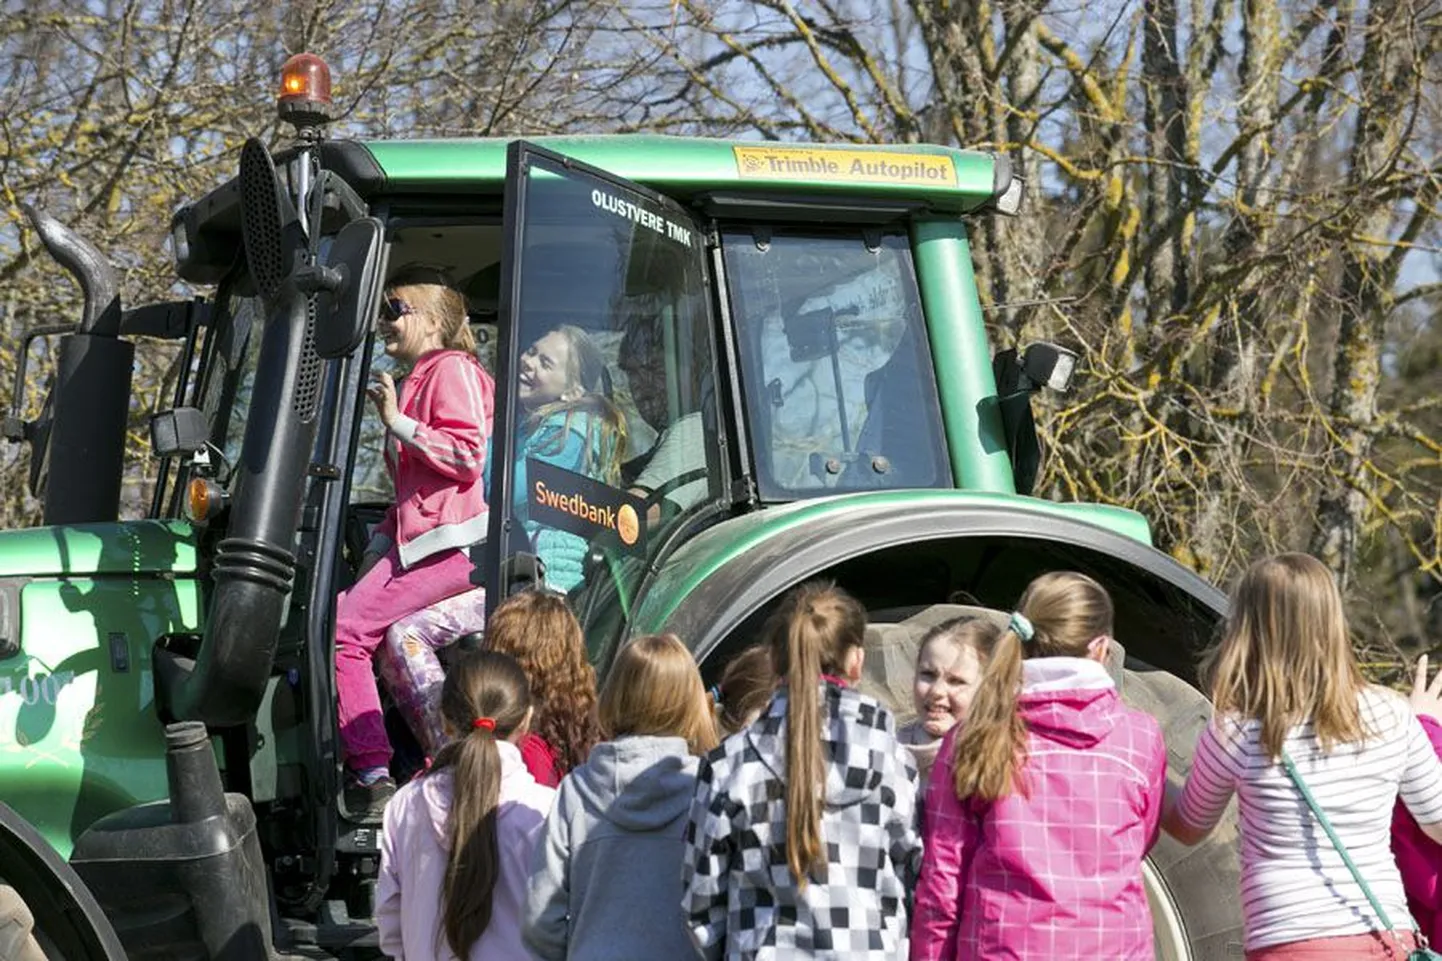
x=1055, y=873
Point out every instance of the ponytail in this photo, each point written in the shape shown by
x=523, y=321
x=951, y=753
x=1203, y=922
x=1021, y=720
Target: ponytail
x=473, y=864
x=991, y=745
x=485, y=699
x=1060, y=614
x=803, y=753
x=811, y=634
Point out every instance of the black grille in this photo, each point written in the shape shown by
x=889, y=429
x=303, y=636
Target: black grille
x=307, y=385
x=260, y=217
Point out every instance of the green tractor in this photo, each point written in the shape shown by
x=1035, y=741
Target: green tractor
x=795, y=335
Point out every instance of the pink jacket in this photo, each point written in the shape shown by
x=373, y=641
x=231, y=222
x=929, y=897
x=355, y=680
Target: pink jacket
x=1056, y=874
x=1419, y=858
x=447, y=403
x=414, y=849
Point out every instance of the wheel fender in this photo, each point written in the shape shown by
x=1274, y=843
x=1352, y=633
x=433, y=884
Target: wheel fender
x=723, y=588
x=63, y=908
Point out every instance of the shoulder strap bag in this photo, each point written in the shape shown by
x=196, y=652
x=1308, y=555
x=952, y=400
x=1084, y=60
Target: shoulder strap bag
x=1422, y=953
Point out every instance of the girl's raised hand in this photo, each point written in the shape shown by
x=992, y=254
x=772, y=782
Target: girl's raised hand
x=382, y=392
x=1426, y=698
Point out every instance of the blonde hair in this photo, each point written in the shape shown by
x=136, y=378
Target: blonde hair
x=1285, y=657
x=810, y=634
x=1067, y=611
x=431, y=296
x=655, y=688
x=606, y=440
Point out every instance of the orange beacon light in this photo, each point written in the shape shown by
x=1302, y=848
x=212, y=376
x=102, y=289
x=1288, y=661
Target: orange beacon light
x=305, y=91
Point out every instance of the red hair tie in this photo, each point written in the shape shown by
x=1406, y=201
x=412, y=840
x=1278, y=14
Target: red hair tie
x=484, y=724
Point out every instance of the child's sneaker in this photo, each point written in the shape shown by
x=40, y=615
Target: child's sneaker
x=366, y=797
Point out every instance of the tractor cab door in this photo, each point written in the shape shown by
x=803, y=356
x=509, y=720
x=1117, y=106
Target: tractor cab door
x=607, y=439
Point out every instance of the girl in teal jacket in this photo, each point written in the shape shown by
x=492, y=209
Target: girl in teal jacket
x=568, y=421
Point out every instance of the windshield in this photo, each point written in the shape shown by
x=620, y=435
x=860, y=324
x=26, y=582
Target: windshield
x=613, y=436
x=839, y=385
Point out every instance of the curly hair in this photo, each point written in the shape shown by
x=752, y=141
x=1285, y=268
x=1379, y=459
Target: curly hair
x=541, y=633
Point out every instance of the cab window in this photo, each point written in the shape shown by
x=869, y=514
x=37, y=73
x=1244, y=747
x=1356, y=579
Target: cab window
x=839, y=385
x=613, y=433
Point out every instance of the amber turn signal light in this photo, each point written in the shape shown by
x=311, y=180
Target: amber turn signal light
x=204, y=498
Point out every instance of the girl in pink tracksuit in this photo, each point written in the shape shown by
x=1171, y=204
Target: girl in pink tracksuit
x=457, y=844
x=1041, y=807
x=437, y=432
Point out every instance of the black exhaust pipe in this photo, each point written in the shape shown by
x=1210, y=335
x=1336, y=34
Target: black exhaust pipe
x=254, y=566
x=83, y=446
x=88, y=267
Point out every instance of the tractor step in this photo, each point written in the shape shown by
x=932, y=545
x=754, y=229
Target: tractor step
x=327, y=939
x=360, y=840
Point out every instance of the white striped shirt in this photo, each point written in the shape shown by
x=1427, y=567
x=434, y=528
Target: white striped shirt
x=1294, y=883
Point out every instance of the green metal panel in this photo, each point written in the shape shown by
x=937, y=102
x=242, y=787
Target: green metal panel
x=123, y=547
x=709, y=551
x=683, y=166
x=974, y=435
x=79, y=736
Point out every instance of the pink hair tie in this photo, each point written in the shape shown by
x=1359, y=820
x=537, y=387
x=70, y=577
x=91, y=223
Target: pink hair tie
x=484, y=724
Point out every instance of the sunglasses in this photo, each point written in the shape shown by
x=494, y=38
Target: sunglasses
x=393, y=308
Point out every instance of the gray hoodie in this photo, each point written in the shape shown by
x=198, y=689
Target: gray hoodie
x=605, y=880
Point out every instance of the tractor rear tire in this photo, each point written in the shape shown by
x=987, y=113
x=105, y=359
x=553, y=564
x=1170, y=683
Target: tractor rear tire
x=1196, y=890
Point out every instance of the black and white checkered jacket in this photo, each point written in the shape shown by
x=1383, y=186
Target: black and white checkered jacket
x=739, y=894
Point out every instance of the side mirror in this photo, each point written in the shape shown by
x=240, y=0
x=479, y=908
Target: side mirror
x=179, y=431
x=345, y=313
x=1050, y=366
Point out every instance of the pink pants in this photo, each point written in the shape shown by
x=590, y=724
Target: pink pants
x=386, y=594
x=1384, y=946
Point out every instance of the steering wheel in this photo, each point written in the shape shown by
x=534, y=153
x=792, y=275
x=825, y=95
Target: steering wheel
x=655, y=496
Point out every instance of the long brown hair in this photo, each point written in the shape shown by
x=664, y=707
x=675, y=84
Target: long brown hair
x=1285, y=657
x=1066, y=612
x=746, y=687
x=655, y=688
x=492, y=686
x=810, y=634
x=605, y=424
x=539, y=631
x=431, y=292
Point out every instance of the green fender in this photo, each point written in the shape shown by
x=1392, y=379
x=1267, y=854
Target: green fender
x=991, y=545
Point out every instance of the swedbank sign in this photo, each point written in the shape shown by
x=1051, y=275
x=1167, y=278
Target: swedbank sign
x=584, y=507
x=843, y=165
